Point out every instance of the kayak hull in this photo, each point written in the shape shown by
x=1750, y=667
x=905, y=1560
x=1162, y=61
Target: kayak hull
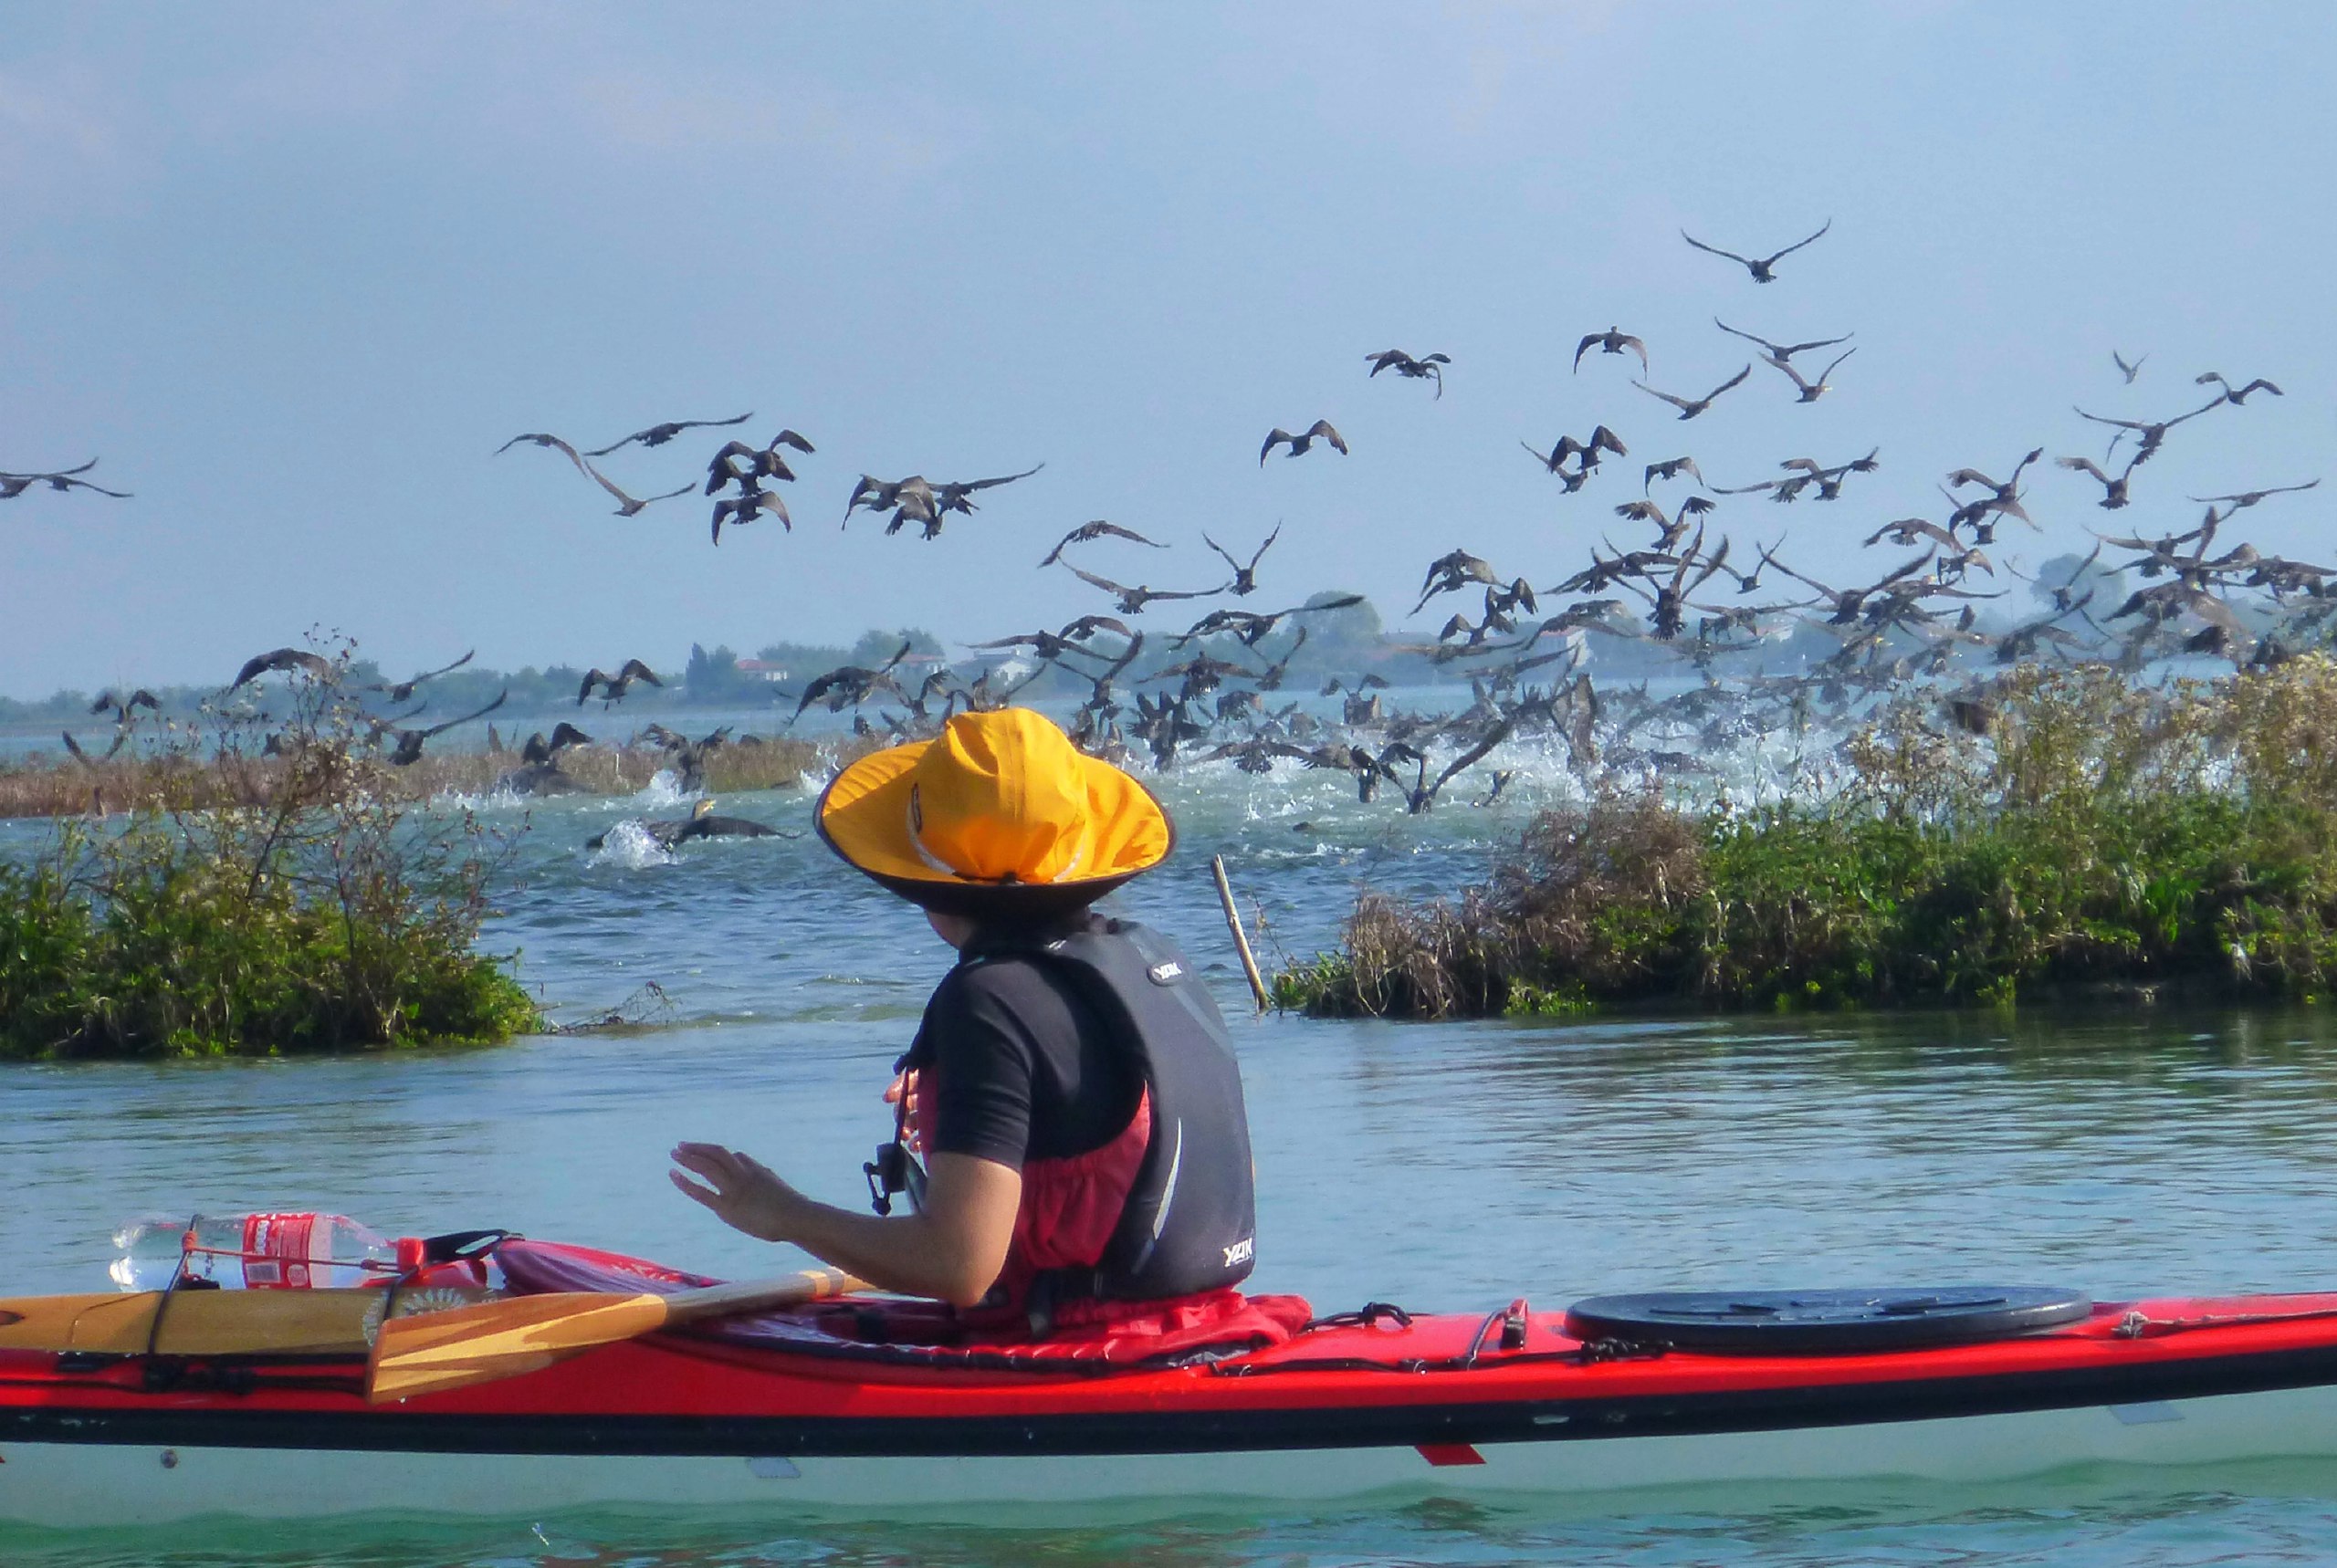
x=115, y=1483
x=115, y=1411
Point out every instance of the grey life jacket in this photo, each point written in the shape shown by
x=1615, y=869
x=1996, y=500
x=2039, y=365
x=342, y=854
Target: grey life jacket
x=1189, y=1224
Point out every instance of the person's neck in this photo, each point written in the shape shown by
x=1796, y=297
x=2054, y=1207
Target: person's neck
x=996, y=936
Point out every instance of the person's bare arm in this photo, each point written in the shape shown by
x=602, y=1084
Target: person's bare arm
x=951, y=1249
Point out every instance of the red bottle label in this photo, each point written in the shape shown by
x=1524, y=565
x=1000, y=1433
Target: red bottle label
x=276, y=1252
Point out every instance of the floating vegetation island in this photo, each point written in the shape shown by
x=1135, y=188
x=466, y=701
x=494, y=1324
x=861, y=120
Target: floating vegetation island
x=2078, y=834
x=271, y=889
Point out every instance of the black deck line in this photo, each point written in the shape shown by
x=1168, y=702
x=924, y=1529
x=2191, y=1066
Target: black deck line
x=1182, y=1431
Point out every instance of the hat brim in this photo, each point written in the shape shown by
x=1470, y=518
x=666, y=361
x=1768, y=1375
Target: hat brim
x=864, y=815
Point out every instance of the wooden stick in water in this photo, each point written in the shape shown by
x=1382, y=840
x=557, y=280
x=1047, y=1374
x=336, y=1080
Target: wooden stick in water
x=1240, y=942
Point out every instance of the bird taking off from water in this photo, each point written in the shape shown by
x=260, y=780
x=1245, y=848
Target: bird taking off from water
x=1132, y=600
x=738, y=461
x=957, y=495
x=1690, y=407
x=547, y=440
x=402, y=691
x=742, y=509
x=628, y=506
x=124, y=710
x=2238, y=395
x=1779, y=351
x=563, y=734
x=1810, y=390
x=1245, y=577
x=1301, y=442
x=1429, y=366
x=14, y=484
x=1453, y=571
x=2113, y=490
x=408, y=749
x=2151, y=433
x=1613, y=340
x=259, y=664
x=1098, y=529
x=2247, y=498
x=612, y=687
x=658, y=434
x=1601, y=440
x=1759, y=268
x=1670, y=468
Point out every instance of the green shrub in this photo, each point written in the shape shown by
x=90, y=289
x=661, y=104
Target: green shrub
x=333, y=916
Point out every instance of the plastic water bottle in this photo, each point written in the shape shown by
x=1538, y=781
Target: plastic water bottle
x=270, y=1252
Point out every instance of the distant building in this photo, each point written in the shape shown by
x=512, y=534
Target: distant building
x=766, y=670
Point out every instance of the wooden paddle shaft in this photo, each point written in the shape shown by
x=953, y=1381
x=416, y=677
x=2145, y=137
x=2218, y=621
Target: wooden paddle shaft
x=503, y=1339
x=746, y=1296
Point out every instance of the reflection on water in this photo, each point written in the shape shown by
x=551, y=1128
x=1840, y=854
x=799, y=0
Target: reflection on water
x=2263, y=1518
x=1445, y=1166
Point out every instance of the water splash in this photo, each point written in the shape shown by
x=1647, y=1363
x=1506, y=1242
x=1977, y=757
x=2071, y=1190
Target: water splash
x=628, y=844
x=664, y=792
x=501, y=798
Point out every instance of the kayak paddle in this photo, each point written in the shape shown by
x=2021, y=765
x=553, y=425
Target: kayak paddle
x=212, y=1322
x=437, y=1350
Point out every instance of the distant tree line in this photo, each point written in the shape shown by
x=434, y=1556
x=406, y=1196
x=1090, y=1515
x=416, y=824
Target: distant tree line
x=1348, y=643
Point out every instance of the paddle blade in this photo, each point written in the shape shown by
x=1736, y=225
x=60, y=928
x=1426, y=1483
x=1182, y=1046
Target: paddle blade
x=525, y=1333
x=213, y=1323
x=74, y=1322
x=387, y=1386
x=501, y=1339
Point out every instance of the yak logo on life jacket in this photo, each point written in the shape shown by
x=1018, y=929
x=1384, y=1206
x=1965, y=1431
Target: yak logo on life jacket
x=1239, y=1253
x=1165, y=973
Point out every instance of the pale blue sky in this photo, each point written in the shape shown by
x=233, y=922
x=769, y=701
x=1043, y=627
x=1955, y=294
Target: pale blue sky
x=295, y=271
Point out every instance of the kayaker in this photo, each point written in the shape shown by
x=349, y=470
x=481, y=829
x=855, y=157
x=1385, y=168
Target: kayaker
x=1071, y=1087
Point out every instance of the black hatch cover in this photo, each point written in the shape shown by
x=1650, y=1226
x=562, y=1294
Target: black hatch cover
x=1793, y=1323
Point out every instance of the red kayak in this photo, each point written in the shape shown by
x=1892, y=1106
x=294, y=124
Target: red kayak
x=871, y=1403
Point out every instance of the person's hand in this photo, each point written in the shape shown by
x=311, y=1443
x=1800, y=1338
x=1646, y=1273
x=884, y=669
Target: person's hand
x=901, y=1091
x=742, y=1191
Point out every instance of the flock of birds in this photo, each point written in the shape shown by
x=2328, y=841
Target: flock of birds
x=394, y=738
x=1215, y=689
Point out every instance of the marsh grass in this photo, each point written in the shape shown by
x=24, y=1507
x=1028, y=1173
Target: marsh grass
x=166, y=774
x=269, y=889
x=2073, y=832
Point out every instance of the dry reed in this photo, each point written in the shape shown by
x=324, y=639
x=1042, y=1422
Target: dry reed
x=47, y=786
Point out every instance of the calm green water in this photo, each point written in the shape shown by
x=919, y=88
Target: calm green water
x=1450, y=1166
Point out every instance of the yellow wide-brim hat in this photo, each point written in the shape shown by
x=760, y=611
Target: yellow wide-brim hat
x=999, y=816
